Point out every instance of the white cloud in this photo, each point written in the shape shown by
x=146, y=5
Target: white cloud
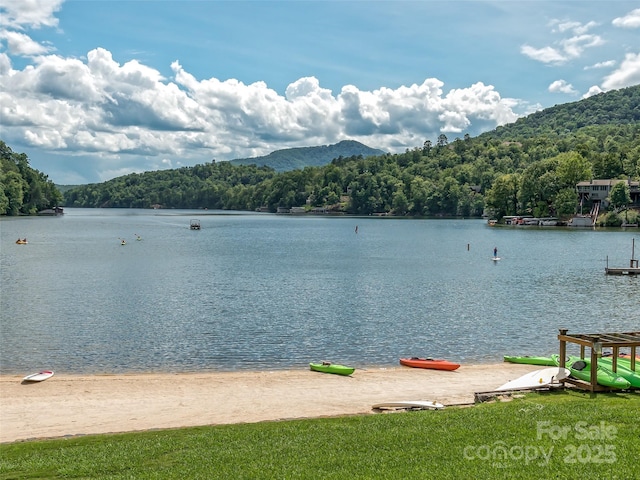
x=103, y=108
x=574, y=46
x=567, y=48
x=630, y=20
x=576, y=28
x=18, y=14
x=544, y=54
x=561, y=86
x=606, y=64
x=21, y=44
x=5, y=64
x=594, y=90
x=626, y=75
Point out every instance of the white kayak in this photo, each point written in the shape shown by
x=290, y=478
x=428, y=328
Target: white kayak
x=538, y=379
x=408, y=405
x=38, y=377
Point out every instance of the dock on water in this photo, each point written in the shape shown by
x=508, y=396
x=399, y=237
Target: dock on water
x=632, y=269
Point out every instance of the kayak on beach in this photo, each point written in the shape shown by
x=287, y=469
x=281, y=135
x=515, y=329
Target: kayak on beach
x=408, y=405
x=623, y=369
x=581, y=369
x=38, y=377
x=528, y=360
x=328, y=367
x=543, y=378
x=431, y=363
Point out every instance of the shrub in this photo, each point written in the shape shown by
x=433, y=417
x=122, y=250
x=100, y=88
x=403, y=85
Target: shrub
x=610, y=219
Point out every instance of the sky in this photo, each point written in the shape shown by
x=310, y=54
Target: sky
x=95, y=89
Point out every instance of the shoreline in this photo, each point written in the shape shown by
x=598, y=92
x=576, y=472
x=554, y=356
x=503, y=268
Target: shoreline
x=79, y=404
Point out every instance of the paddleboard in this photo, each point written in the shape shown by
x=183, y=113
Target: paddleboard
x=408, y=405
x=540, y=378
x=38, y=377
x=495, y=259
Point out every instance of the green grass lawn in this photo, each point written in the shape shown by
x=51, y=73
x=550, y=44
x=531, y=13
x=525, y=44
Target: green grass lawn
x=565, y=434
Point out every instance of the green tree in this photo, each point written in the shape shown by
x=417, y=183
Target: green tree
x=14, y=191
x=572, y=168
x=4, y=200
x=620, y=195
x=565, y=202
x=502, y=198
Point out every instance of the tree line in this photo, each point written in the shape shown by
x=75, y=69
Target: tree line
x=24, y=190
x=531, y=175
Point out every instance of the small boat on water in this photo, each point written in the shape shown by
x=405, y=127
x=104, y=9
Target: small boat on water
x=580, y=368
x=430, y=363
x=528, y=360
x=21, y=241
x=328, y=367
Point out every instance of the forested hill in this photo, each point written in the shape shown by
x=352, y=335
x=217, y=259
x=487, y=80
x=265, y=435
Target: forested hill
x=617, y=107
x=298, y=158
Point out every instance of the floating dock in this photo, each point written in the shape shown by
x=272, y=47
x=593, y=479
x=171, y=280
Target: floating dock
x=632, y=269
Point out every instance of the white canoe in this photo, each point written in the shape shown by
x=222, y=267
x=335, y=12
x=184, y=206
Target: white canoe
x=38, y=377
x=408, y=405
x=538, y=379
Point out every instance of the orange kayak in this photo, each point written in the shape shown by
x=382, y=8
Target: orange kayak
x=433, y=363
x=621, y=355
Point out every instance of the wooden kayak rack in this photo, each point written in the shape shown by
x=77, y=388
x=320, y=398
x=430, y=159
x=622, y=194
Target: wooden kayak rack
x=596, y=342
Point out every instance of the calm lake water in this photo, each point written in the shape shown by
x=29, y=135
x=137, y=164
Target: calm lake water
x=259, y=291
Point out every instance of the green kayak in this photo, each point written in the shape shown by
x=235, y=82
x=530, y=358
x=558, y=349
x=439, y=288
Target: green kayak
x=546, y=361
x=623, y=369
x=328, y=367
x=581, y=369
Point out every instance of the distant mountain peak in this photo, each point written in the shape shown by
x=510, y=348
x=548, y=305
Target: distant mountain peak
x=318, y=156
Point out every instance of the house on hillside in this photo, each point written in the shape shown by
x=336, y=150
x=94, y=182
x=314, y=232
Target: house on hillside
x=598, y=191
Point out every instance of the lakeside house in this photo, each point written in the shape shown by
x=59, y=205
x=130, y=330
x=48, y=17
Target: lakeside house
x=598, y=191
x=592, y=194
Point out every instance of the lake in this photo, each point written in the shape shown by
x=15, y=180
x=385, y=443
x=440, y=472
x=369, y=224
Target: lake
x=261, y=291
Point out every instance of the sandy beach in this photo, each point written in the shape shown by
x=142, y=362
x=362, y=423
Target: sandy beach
x=93, y=404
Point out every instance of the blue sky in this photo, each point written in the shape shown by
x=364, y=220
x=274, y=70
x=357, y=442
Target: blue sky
x=91, y=90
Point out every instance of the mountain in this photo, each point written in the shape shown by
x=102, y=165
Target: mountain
x=298, y=158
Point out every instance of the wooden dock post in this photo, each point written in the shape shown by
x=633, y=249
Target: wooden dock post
x=594, y=362
x=563, y=347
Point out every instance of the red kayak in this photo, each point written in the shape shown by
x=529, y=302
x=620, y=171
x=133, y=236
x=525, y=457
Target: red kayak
x=433, y=363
